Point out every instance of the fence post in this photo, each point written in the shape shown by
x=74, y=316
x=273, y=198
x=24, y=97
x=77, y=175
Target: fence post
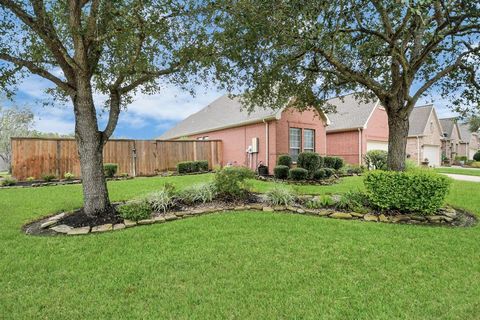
x=58, y=155
x=134, y=159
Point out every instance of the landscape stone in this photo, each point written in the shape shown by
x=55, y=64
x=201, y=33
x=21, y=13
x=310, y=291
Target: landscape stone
x=400, y=218
x=57, y=217
x=267, y=209
x=103, y=228
x=382, y=218
x=146, y=221
x=129, y=223
x=78, y=231
x=159, y=219
x=48, y=223
x=451, y=213
x=239, y=208
x=341, y=215
x=63, y=228
x=323, y=213
x=370, y=217
x=256, y=206
x=290, y=208
x=170, y=217
x=435, y=218
x=356, y=214
x=418, y=218
x=279, y=208
x=119, y=226
x=311, y=211
x=301, y=211
x=179, y=213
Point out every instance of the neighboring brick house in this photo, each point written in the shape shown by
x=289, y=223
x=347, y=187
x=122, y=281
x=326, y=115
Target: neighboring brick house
x=424, y=140
x=469, y=142
x=257, y=137
x=356, y=128
x=451, y=138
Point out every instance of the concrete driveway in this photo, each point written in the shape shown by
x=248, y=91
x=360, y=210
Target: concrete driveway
x=462, y=177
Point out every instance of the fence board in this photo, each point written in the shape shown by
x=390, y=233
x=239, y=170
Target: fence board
x=34, y=157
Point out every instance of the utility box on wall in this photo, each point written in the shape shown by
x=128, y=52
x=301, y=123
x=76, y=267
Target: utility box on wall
x=255, y=145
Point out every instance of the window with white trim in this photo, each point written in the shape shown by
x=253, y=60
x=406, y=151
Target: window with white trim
x=295, y=138
x=309, y=140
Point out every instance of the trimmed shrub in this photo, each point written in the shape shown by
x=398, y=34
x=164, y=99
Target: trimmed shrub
x=421, y=191
x=68, y=176
x=298, y=174
x=110, y=169
x=284, y=160
x=476, y=156
x=333, y=162
x=184, y=167
x=48, y=177
x=354, y=169
x=319, y=174
x=376, y=160
x=8, y=182
x=231, y=182
x=310, y=161
x=461, y=158
x=339, y=163
x=200, y=166
x=281, y=172
x=161, y=200
x=203, y=193
x=135, y=210
x=192, y=166
x=329, y=172
x=281, y=196
x=475, y=164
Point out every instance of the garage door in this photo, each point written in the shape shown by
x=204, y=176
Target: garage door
x=377, y=145
x=471, y=154
x=432, y=153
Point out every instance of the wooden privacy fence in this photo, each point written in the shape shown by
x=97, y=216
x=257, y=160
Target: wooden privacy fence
x=34, y=157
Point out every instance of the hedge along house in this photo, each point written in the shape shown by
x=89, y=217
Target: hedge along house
x=451, y=138
x=357, y=127
x=254, y=138
x=424, y=136
x=469, y=142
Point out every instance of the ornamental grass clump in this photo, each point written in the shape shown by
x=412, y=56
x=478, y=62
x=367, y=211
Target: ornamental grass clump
x=160, y=200
x=281, y=196
x=198, y=193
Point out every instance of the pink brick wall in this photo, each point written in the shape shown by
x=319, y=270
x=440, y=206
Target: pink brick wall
x=344, y=144
x=377, y=128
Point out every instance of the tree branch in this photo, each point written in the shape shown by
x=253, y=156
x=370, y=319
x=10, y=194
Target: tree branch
x=113, y=115
x=146, y=77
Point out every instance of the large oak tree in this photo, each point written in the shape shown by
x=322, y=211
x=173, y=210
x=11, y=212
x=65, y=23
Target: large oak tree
x=396, y=51
x=110, y=47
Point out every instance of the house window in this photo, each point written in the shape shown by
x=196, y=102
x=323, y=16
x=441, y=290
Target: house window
x=295, y=138
x=309, y=140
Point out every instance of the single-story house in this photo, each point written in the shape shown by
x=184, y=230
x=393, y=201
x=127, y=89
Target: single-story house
x=260, y=136
x=356, y=127
x=424, y=140
x=451, y=138
x=469, y=142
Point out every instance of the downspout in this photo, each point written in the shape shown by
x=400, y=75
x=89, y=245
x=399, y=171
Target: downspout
x=418, y=150
x=360, y=146
x=266, y=142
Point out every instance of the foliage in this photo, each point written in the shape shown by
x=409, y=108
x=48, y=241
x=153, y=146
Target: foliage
x=475, y=164
x=319, y=174
x=420, y=191
x=192, y=166
x=474, y=122
x=68, y=176
x=110, y=169
x=298, y=174
x=311, y=161
x=47, y=177
x=353, y=201
x=200, y=166
x=30, y=179
x=376, y=160
x=281, y=196
x=232, y=182
x=461, y=158
x=284, y=160
x=329, y=172
x=333, y=162
x=476, y=156
x=281, y=171
x=354, y=169
x=135, y=210
x=162, y=199
x=7, y=182
x=323, y=201
x=203, y=193
x=410, y=165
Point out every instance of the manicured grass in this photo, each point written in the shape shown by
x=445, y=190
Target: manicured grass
x=467, y=172
x=236, y=265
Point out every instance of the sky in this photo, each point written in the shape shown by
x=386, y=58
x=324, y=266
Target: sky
x=146, y=118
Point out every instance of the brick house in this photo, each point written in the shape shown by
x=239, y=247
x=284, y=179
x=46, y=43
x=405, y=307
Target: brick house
x=469, y=142
x=424, y=136
x=451, y=138
x=256, y=137
x=356, y=127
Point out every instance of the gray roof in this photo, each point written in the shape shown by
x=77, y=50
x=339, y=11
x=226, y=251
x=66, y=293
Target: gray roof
x=350, y=113
x=418, y=119
x=447, y=125
x=222, y=113
x=465, y=132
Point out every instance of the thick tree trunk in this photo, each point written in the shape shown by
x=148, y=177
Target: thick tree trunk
x=90, y=149
x=398, y=126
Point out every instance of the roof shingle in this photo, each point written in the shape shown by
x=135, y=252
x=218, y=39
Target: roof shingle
x=350, y=113
x=418, y=120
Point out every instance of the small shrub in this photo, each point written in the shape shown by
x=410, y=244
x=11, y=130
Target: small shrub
x=355, y=169
x=333, y=162
x=123, y=175
x=68, y=176
x=110, y=169
x=475, y=164
x=338, y=164
x=319, y=174
x=48, y=177
x=184, y=167
x=231, y=182
x=30, y=179
x=476, y=156
x=422, y=191
x=376, y=160
x=135, y=210
x=353, y=201
x=284, y=160
x=203, y=193
x=281, y=172
x=8, y=182
x=320, y=202
x=461, y=158
x=310, y=161
x=329, y=172
x=281, y=196
x=160, y=200
x=298, y=174
x=200, y=166
x=410, y=165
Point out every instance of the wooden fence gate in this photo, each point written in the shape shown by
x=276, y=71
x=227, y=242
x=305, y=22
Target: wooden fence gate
x=34, y=157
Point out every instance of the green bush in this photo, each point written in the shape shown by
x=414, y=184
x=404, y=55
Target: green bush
x=461, y=158
x=333, y=162
x=354, y=169
x=30, y=179
x=184, y=167
x=281, y=172
x=68, y=176
x=232, y=182
x=8, y=182
x=421, y=191
x=339, y=163
x=329, y=172
x=284, y=160
x=298, y=174
x=475, y=164
x=310, y=161
x=110, y=169
x=319, y=174
x=320, y=202
x=376, y=160
x=410, y=165
x=200, y=166
x=281, y=196
x=135, y=210
x=203, y=193
x=48, y=177
x=161, y=200
x=476, y=156
x=353, y=201
x=192, y=166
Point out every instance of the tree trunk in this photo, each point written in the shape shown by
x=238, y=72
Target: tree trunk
x=398, y=126
x=90, y=149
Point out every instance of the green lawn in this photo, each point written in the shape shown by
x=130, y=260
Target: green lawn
x=467, y=172
x=236, y=265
